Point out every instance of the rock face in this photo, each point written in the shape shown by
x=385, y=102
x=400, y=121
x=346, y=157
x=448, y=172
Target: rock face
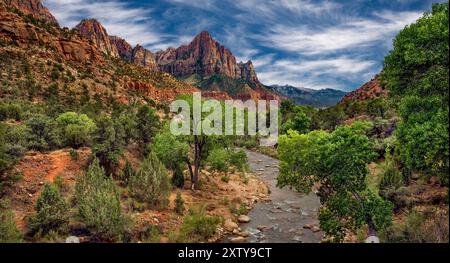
x=92, y=30
x=203, y=56
x=206, y=59
x=248, y=72
x=143, y=57
x=14, y=29
x=34, y=8
x=123, y=47
x=371, y=89
x=115, y=46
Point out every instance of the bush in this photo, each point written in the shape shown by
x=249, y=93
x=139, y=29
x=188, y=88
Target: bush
x=178, y=178
x=8, y=229
x=218, y=159
x=147, y=123
x=127, y=173
x=391, y=179
x=77, y=128
x=151, y=183
x=42, y=134
x=10, y=111
x=51, y=212
x=239, y=159
x=179, y=204
x=198, y=227
x=98, y=204
x=225, y=179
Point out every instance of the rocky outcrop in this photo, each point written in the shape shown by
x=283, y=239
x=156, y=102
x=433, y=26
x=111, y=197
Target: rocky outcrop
x=115, y=46
x=14, y=30
x=371, y=89
x=143, y=57
x=34, y=8
x=167, y=94
x=248, y=72
x=123, y=47
x=92, y=30
x=203, y=56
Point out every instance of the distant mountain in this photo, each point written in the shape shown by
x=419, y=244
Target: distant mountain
x=316, y=98
x=369, y=90
x=209, y=65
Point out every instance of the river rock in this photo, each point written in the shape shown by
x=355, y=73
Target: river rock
x=244, y=219
x=230, y=225
x=238, y=240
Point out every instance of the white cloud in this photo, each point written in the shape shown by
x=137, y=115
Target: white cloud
x=358, y=33
x=130, y=23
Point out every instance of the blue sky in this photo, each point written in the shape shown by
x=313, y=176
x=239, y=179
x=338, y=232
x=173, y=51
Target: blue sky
x=311, y=44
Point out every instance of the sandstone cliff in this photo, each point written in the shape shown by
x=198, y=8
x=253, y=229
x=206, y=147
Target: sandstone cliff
x=33, y=8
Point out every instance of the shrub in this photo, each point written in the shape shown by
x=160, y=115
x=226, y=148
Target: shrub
x=10, y=111
x=42, y=133
x=179, y=204
x=151, y=183
x=51, y=211
x=76, y=128
x=239, y=160
x=127, y=173
x=391, y=179
x=218, y=159
x=198, y=227
x=178, y=178
x=147, y=123
x=98, y=203
x=109, y=143
x=8, y=229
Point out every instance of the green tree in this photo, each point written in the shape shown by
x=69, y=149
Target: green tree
x=42, y=134
x=338, y=162
x=99, y=203
x=77, y=128
x=416, y=72
x=109, y=142
x=51, y=211
x=151, y=183
x=147, y=123
x=8, y=229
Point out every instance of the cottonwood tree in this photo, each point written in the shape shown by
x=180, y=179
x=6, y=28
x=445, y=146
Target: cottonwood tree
x=337, y=162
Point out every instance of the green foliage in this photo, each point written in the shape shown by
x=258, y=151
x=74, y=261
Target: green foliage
x=127, y=173
x=151, y=183
x=338, y=161
x=42, y=133
x=299, y=122
x=77, y=128
x=147, y=123
x=198, y=227
x=217, y=159
x=171, y=150
x=109, y=142
x=99, y=204
x=10, y=111
x=392, y=178
x=51, y=212
x=220, y=159
x=179, y=204
x=178, y=178
x=8, y=229
x=416, y=72
x=419, y=228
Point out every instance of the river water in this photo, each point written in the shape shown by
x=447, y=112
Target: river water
x=283, y=218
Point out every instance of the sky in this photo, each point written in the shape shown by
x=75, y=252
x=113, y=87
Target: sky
x=311, y=44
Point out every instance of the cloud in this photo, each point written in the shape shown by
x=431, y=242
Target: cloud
x=130, y=23
x=356, y=34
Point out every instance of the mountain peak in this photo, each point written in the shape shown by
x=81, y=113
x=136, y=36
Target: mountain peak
x=94, y=31
x=34, y=8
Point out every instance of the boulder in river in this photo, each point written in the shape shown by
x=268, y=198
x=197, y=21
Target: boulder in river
x=244, y=219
